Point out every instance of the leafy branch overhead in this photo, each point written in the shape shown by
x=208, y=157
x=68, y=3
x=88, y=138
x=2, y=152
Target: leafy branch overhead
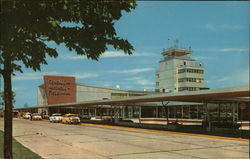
x=2, y=97
x=27, y=26
x=86, y=27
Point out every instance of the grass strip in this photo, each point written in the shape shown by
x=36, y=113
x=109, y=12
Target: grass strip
x=19, y=151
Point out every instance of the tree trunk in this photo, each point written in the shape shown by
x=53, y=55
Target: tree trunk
x=8, y=108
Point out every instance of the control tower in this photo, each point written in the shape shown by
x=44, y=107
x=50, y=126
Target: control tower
x=179, y=72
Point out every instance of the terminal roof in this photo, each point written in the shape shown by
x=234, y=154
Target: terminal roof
x=176, y=52
x=233, y=94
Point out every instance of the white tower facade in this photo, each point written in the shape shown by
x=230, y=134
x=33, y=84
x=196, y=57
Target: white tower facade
x=178, y=72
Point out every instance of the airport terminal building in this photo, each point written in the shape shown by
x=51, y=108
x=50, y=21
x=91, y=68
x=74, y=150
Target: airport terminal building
x=62, y=89
x=180, y=96
x=58, y=90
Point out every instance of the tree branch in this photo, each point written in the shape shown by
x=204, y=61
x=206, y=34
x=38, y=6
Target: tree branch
x=1, y=71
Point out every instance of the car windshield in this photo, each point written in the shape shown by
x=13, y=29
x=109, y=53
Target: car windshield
x=35, y=114
x=72, y=115
x=56, y=115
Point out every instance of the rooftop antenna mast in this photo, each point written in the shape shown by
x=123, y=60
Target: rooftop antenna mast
x=176, y=43
x=168, y=47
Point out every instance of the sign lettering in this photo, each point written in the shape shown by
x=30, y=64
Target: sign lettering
x=60, y=89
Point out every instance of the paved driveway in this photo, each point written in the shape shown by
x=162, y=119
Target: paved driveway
x=86, y=141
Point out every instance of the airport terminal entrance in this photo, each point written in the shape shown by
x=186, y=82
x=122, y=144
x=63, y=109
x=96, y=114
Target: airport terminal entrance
x=147, y=112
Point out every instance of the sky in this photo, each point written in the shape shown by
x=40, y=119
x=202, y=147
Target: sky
x=218, y=33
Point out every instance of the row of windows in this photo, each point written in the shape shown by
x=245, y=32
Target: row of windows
x=123, y=95
x=188, y=89
x=198, y=80
x=190, y=70
x=185, y=63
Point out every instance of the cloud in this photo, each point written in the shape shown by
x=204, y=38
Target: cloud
x=32, y=75
x=149, y=88
x=133, y=71
x=140, y=81
x=222, y=79
x=107, y=54
x=102, y=83
x=223, y=50
x=231, y=27
x=85, y=75
x=214, y=27
x=18, y=88
x=73, y=57
x=39, y=75
x=209, y=26
x=232, y=50
x=201, y=58
x=236, y=78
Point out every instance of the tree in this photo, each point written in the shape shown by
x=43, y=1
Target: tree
x=87, y=27
x=25, y=105
x=2, y=97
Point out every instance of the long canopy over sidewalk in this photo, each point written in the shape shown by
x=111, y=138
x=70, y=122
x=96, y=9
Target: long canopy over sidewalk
x=233, y=94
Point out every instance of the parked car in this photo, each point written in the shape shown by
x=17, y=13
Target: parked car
x=55, y=118
x=27, y=115
x=36, y=116
x=45, y=116
x=70, y=119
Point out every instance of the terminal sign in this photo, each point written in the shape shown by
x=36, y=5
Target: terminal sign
x=60, y=89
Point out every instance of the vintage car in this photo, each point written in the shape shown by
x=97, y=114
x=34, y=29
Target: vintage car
x=36, y=116
x=26, y=115
x=70, y=119
x=55, y=118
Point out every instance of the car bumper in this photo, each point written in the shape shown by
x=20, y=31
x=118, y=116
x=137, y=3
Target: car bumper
x=75, y=122
x=56, y=121
x=36, y=118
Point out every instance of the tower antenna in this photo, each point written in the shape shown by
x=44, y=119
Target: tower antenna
x=176, y=43
x=168, y=47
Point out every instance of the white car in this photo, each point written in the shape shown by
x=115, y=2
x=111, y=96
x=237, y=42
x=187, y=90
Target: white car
x=26, y=115
x=36, y=116
x=55, y=118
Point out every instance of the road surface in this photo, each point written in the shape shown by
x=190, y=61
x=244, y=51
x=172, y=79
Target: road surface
x=87, y=141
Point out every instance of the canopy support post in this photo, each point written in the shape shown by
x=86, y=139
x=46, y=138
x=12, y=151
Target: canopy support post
x=165, y=108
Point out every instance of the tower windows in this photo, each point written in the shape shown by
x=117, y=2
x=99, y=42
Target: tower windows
x=189, y=70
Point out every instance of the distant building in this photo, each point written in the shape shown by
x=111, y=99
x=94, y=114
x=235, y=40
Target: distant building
x=179, y=72
x=64, y=89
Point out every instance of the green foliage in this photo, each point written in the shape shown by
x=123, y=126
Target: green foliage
x=19, y=151
x=2, y=97
x=86, y=27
